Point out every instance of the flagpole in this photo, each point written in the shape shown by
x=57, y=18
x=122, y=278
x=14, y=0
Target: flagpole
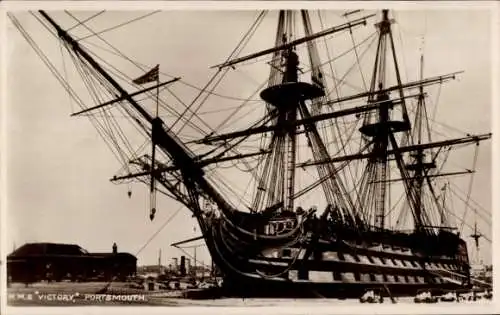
x=151, y=76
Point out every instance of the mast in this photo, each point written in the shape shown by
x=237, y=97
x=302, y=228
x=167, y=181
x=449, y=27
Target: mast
x=419, y=167
x=443, y=218
x=286, y=97
x=380, y=128
x=420, y=153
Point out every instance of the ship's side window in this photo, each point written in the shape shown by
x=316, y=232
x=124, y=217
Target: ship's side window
x=336, y=276
x=407, y=279
x=303, y=274
x=413, y=263
x=385, y=277
x=372, y=277
x=394, y=262
x=396, y=278
x=287, y=252
x=356, y=257
x=382, y=259
x=280, y=226
x=341, y=256
x=370, y=259
x=357, y=277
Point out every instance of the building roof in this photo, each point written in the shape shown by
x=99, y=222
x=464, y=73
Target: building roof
x=35, y=249
x=38, y=249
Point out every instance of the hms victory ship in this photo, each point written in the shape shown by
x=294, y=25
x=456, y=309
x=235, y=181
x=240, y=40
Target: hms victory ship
x=316, y=166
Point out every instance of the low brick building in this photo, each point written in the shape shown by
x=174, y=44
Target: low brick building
x=55, y=262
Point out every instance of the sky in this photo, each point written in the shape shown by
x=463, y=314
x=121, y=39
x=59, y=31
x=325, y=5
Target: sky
x=58, y=168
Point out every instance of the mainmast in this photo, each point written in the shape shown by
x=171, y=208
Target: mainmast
x=381, y=127
x=286, y=97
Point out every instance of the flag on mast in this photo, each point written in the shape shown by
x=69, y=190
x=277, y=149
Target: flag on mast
x=150, y=76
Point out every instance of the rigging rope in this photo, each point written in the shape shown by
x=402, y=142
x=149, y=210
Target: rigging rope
x=159, y=230
x=142, y=66
x=66, y=75
x=485, y=219
x=56, y=73
x=470, y=186
x=86, y=77
x=234, y=53
x=357, y=57
x=118, y=26
x=84, y=21
x=192, y=256
x=104, y=83
x=479, y=206
x=341, y=81
x=128, y=79
x=336, y=88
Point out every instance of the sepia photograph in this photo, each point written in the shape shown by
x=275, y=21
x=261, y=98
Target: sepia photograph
x=274, y=157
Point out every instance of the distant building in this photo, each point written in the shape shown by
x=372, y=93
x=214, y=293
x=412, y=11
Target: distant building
x=54, y=262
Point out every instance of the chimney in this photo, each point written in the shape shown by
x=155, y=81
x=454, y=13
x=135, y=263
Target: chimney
x=183, y=266
x=115, y=248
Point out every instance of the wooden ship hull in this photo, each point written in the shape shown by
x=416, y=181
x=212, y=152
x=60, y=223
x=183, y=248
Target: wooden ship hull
x=341, y=267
